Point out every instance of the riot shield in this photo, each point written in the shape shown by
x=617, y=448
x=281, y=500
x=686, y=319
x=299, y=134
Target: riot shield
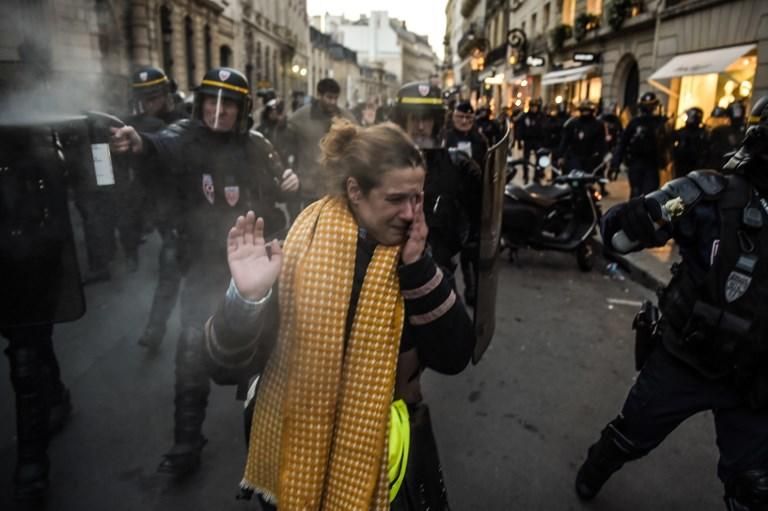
x=38, y=263
x=493, y=181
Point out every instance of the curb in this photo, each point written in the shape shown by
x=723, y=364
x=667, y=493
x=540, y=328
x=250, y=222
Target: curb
x=633, y=271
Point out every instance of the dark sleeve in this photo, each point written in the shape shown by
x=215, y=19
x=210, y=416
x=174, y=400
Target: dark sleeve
x=236, y=347
x=611, y=223
x=602, y=145
x=565, y=141
x=166, y=147
x=621, y=147
x=436, y=321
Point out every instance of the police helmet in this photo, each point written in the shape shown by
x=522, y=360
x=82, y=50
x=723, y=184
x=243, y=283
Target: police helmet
x=149, y=81
x=586, y=106
x=694, y=116
x=719, y=112
x=226, y=83
x=421, y=99
x=649, y=102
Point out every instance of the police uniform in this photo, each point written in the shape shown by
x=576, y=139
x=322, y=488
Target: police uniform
x=452, y=192
x=533, y=133
x=689, y=144
x=583, y=143
x=217, y=177
x=40, y=285
x=710, y=349
x=155, y=200
x=643, y=146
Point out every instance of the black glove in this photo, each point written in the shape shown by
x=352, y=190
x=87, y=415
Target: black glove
x=637, y=220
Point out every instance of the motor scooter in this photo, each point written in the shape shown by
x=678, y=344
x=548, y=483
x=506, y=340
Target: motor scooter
x=562, y=215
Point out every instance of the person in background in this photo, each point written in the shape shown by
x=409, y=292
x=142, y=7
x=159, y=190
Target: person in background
x=643, y=147
x=690, y=147
x=306, y=126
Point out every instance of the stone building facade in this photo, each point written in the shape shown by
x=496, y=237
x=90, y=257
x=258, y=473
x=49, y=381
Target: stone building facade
x=87, y=49
x=690, y=52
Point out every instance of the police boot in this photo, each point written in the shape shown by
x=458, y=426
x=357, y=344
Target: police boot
x=604, y=458
x=31, y=473
x=192, y=389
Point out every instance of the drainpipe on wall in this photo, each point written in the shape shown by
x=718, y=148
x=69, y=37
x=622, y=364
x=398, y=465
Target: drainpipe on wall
x=660, y=5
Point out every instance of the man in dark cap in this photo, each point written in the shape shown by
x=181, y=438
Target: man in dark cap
x=463, y=135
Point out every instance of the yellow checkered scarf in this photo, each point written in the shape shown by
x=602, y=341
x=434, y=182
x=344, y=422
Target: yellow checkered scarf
x=321, y=420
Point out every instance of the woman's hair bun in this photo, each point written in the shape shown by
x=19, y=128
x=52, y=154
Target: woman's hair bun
x=335, y=143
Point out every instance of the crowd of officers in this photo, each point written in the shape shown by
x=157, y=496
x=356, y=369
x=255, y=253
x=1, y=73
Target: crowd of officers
x=189, y=175
x=644, y=145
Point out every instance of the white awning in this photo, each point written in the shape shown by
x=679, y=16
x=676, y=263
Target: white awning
x=571, y=74
x=701, y=62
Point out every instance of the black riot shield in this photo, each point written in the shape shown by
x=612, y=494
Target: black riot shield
x=493, y=181
x=38, y=263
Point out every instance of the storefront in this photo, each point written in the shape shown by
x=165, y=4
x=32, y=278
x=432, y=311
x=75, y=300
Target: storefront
x=708, y=79
x=573, y=84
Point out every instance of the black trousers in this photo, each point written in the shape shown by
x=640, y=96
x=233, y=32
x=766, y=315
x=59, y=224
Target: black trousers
x=203, y=288
x=667, y=392
x=643, y=179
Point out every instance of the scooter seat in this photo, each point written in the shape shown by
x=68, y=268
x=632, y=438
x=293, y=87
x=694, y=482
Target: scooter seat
x=544, y=196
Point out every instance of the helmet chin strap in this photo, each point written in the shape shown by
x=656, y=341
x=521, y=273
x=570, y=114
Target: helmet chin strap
x=218, y=111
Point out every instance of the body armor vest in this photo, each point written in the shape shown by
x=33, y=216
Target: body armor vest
x=717, y=321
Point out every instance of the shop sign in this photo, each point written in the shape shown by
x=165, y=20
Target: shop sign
x=587, y=58
x=535, y=61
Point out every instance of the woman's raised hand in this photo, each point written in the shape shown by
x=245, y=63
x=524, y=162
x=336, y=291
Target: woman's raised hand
x=253, y=264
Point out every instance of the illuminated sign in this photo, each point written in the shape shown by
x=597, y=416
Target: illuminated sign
x=585, y=57
x=535, y=61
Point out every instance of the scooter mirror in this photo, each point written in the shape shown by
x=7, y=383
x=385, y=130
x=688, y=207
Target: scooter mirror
x=544, y=161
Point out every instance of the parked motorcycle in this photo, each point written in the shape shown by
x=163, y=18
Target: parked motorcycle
x=561, y=216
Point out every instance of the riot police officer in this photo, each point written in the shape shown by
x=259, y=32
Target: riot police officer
x=723, y=138
x=643, y=146
x=451, y=190
x=689, y=143
x=613, y=127
x=553, y=125
x=221, y=169
x=154, y=109
x=708, y=349
x=462, y=133
x=583, y=143
x=488, y=126
x=532, y=132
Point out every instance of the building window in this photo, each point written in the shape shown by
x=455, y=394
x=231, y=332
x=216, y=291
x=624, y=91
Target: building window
x=533, y=24
x=274, y=65
x=259, y=69
x=267, y=69
x=545, y=17
x=189, y=38
x=225, y=56
x=208, y=48
x=595, y=6
x=166, y=34
x=569, y=12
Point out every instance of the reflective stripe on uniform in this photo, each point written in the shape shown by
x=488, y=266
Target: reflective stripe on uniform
x=421, y=101
x=399, y=444
x=226, y=86
x=147, y=84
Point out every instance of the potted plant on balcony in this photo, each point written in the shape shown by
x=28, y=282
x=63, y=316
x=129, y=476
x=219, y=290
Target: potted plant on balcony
x=619, y=10
x=558, y=36
x=585, y=23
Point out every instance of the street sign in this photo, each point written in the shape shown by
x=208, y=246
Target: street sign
x=535, y=61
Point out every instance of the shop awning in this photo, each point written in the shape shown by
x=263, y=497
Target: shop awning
x=571, y=74
x=701, y=62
